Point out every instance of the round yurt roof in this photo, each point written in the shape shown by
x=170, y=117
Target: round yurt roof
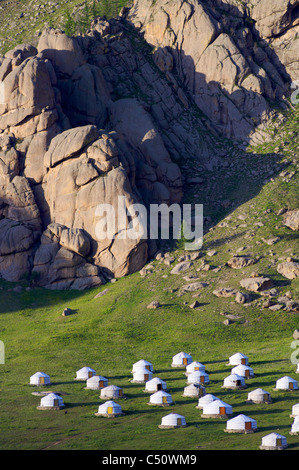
x=178, y=358
x=142, y=363
x=48, y=400
x=241, y=370
x=140, y=372
x=271, y=439
x=285, y=381
x=158, y=397
x=239, y=422
x=193, y=388
x=258, y=392
x=237, y=357
x=40, y=374
x=172, y=419
x=215, y=405
x=195, y=366
x=205, y=400
x=295, y=409
x=154, y=382
x=233, y=378
x=96, y=378
x=84, y=370
x=116, y=408
x=196, y=377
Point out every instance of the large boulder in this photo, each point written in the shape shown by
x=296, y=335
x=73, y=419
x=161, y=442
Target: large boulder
x=291, y=219
x=288, y=269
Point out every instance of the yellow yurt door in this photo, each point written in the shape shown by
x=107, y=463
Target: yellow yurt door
x=179, y=421
x=164, y=399
x=291, y=386
x=110, y=410
x=196, y=368
x=42, y=380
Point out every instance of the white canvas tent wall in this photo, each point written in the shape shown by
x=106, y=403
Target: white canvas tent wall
x=295, y=426
x=85, y=373
x=111, y=392
x=109, y=409
x=155, y=385
x=142, y=364
x=205, y=400
x=243, y=371
x=295, y=410
x=194, y=390
x=181, y=359
x=195, y=366
x=51, y=401
x=237, y=359
x=173, y=420
x=241, y=424
x=286, y=383
x=259, y=396
x=142, y=375
x=217, y=409
x=40, y=378
x=161, y=398
x=274, y=441
x=234, y=381
x=96, y=382
x=198, y=377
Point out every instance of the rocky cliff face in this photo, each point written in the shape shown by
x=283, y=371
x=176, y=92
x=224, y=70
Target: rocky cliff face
x=84, y=120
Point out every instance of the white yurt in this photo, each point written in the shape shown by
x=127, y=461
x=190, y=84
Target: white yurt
x=173, y=420
x=205, y=400
x=237, y=359
x=194, y=391
x=96, y=382
x=273, y=441
x=217, y=409
x=181, y=359
x=241, y=424
x=51, y=401
x=198, y=377
x=155, y=385
x=243, y=371
x=142, y=375
x=161, y=398
x=295, y=426
x=234, y=381
x=286, y=383
x=111, y=392
x=109, y=409
x=40, y=378
x=295, y=410
x=194, y=367
x=259, y=396
x=85, y=373
x=142, y=364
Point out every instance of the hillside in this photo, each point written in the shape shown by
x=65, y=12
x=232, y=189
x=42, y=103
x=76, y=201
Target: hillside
x=152, y=137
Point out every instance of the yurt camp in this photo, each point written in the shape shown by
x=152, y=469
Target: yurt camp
x=40, y=378
x=243, y=371
x=155, y=385
x=142, y=375
x=217, y=409
x=241, y=424
x=295, y=410
x=259, y=396
x=234, y=381
x=194, y=391
x=172, y=421
x=295, y=427
x=205, y=400
x=161, y=398
x=96, y=382
x=274, y=441
x=142, y=364
x=109, y=409
x=181, y=359
x=194, y=367
x=286, y=383
x=198, y=377
x=51, y=401
x=111, y=392
x=85, y=373
x=237, y=359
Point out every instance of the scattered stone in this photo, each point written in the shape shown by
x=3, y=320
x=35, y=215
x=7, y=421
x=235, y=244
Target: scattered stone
x=289, y=269
x=225, y=292
x=292, y=306
x=241, y=298
x=296, y=334
x=291, y=219
x=100, y=294
x=194, y=304
x=228, y=321
x=271, y=241
x=238, y=262
x=194, y=286
x=66, y=312
x=275, y=307
x=256, y=284
x=180, y=267
x=153, y=304
x=211, y=253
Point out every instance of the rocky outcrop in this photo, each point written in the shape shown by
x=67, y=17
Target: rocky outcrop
x=291, y=219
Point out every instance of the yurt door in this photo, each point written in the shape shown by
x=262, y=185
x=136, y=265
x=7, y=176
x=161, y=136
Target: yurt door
x=148, y=367
x=222, y=410
x=159, y=387
x=291, y=385
x=202, y=379
x=185, y=361
x=196, y=368
x=238, y=383
x=278, y=442
x=120, y=392
x=164, y=399
x=243, y=361
x=179, y=421
x=146, y=377
x=265, y=396
x=247, y=372
x=42, y=380
x=89, y=374
x=56, y=402
x=110, y=410
x=101, y=383
x=248, y=426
